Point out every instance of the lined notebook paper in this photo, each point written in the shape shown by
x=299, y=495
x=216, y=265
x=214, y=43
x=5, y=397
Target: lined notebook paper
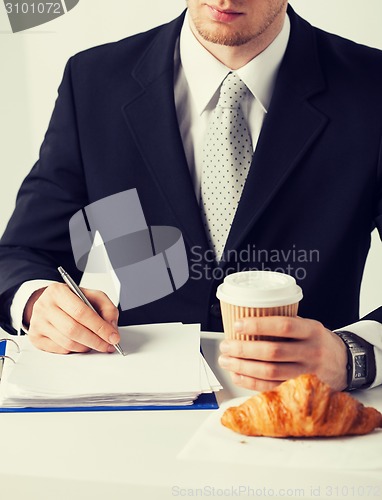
x=163, y=366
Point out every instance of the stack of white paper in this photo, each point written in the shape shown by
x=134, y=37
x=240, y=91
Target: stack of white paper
x=162, y=366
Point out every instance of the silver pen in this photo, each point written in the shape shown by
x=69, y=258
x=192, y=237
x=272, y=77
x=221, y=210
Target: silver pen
x=77, y=290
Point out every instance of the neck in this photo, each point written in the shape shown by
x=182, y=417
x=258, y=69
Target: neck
x=235, y=57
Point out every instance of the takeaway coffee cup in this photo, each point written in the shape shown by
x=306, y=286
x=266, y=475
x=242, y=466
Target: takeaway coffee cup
x=256, y=293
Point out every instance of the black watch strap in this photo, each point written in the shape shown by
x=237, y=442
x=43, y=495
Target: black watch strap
x=351, y=339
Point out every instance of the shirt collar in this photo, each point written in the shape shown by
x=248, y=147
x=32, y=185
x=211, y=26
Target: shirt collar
x=204, y=73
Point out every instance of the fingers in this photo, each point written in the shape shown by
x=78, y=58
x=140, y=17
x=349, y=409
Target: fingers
x=71, y=335
x=278, y=326
x=253, y=384
x=54, y=346
x=299, y=346
x=83, y=315
x=276, y=372
x=61, y=322
x=46, y=344
x=103, y=305
x=264, y=350
x=263, y=364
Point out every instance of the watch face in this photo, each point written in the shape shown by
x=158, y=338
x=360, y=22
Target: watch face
x=360, y=366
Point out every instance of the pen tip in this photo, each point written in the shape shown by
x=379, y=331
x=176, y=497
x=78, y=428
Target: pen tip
x=118, y=348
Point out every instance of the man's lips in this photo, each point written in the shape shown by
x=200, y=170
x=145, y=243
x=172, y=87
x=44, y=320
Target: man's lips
x=224, y=16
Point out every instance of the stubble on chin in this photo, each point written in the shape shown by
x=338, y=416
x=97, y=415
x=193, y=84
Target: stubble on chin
x=225, y=35
x=220, y=35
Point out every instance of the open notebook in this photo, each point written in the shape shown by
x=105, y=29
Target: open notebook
x=163, y=367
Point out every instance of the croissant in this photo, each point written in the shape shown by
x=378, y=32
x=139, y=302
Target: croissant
x=302, y=407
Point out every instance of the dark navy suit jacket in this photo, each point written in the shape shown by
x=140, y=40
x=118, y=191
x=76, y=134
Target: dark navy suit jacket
x=312, y=197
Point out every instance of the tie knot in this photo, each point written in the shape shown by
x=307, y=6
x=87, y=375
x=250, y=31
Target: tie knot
x=232, y=91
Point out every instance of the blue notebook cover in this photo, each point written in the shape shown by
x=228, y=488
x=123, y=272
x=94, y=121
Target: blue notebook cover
x=203, y=402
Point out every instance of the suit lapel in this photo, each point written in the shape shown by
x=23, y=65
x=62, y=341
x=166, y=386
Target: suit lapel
x=151, y=117
x=290, y=128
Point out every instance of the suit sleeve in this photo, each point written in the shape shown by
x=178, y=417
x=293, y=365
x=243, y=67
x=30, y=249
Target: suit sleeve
x=370, y=326
x=376, y=315
x=36, y=240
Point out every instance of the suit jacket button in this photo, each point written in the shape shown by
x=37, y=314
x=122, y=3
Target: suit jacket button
x=215, y=310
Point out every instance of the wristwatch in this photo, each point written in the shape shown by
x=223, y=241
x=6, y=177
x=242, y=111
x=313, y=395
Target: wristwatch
x=361, y=361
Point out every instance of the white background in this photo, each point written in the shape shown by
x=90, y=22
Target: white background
x=32, y=63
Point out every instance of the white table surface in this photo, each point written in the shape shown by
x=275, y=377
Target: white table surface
x=132, y=455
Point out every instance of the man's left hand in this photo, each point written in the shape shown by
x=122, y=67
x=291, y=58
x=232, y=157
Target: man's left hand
x=299, y=346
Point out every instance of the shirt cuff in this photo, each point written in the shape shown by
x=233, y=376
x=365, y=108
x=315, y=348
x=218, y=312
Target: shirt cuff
x=371, y=331
x=21, y=298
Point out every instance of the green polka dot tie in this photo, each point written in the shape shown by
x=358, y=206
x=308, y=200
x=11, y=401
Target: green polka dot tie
x=227, y=156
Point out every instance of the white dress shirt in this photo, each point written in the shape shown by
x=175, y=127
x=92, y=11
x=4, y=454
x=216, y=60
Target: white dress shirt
x=198, y=77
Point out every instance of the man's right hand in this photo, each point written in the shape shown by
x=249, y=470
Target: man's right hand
x=60, y=322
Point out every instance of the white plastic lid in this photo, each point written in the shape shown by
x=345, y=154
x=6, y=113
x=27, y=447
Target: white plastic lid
x=259, y=289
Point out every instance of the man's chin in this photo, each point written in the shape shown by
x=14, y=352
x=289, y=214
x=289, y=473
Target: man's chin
x=221, y=36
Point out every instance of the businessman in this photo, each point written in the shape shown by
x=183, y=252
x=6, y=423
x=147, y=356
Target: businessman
x=297, y=187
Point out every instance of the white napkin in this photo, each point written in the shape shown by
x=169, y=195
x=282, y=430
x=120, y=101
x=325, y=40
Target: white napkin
x=215, y=443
